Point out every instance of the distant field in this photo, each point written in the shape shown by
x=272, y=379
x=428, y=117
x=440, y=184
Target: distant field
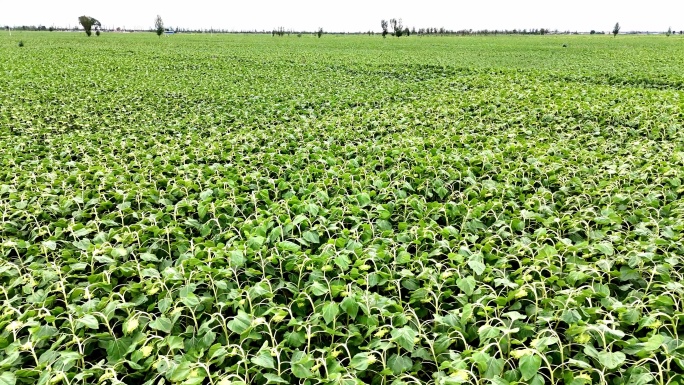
x=235, y=209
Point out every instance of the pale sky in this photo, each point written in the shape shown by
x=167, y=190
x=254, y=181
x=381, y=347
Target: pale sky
x=353, y=15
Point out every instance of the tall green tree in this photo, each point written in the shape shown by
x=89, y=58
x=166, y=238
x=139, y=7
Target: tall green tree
x=88, y=23
x=159, y=25
x=616, y=29
x=397, y=27
x=384, y=25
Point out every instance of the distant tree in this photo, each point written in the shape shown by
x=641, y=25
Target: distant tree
x=397, y=27
x=384, y=25
x=320, y=32
x=616, y=29
x=88, y=23
x=593, y=32
x=97, y=33
x=669, y=32
x=407, y=32
x=159, y=25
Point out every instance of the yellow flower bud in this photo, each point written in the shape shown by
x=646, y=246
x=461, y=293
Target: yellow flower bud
x=146, y=350
x=132, y=325
x=522, y=293
x=14, y=326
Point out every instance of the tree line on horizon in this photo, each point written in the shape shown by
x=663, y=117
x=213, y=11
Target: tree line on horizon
x=396, y=25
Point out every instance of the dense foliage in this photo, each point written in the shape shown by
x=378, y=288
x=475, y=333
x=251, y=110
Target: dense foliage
x=159, y=25
x=88, y=23
x=242, y=209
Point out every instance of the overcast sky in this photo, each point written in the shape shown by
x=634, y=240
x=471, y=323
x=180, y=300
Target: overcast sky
x=353, y=15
